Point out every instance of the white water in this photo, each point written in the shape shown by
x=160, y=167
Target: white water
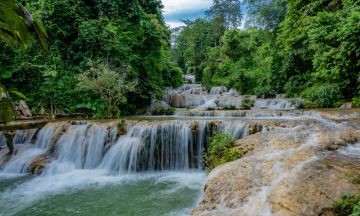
x=217, y=90
x=273, y=104
x=189, y=77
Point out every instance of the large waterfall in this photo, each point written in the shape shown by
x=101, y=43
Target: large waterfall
x=147, y=145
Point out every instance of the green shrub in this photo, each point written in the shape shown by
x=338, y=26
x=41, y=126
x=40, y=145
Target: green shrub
x=189, y=107
x=267, y=91
x=356, y=102
x=170, y=111
x=225, y=107
x=211, y=108
x=246, y=103
x=220, y=151
x=347, y=205
x=325, y=95
x=232, y=107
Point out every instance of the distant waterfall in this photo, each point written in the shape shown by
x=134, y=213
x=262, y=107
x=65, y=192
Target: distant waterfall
x=217, y=90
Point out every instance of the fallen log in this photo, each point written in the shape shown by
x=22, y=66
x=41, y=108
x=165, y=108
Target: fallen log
x=23, y=125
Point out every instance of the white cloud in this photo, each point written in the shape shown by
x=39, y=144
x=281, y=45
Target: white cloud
x=185, y=6
x=175, y=24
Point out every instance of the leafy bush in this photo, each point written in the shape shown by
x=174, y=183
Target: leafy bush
x=225, y=107
x=170, y=111
x=220, y=151
x=356, y=102
x=189, y=107
x=211, y=108
x=347, y=205
x=326, y=95
x=267, y=91
x=232, y=107
x=246, y=103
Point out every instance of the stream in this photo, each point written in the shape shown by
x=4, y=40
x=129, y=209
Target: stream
x=152, y=165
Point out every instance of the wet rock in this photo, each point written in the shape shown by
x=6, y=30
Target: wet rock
x=285, y=171
x=38, y=164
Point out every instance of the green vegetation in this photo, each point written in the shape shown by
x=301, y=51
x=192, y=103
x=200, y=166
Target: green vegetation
x=13, y=31
x=189, y=107
x=305, y=49
x=123, y=34
x=110, y=83
x=246, y=103
x=231, y=107
x=220, y=151
x=210, y=108
x=158, y=111
x=347, y=205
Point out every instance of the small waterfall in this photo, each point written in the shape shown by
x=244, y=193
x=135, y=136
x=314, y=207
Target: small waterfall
x=233, y=92
x=273, y=104
x=233, y=113
x=174, y=145
x=189, y=77
x=25, y=153
x=185, y=89
x=2, y=140
x=160, y=104
x=218, y=90
x=346, y=105
x=83, y=145
x=24, y=136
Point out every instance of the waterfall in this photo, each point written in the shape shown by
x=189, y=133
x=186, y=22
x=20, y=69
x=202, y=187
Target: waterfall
x=346, y=105
x=24, y=136
x=273, y=104
x=26, y=153
x=2, y=140
x=147, y=145
x=185, y=89
x=218, y=90
x=189, y=77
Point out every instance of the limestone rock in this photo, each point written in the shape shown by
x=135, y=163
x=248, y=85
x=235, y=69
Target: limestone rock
x=21, y=109
x=288, y=170
x=38, y=164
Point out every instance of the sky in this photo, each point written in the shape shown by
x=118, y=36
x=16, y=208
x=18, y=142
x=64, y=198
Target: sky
x=185, y=9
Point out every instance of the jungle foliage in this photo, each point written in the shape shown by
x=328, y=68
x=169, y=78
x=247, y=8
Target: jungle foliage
x=220, y=151
x=131, y=33
x=306, y=49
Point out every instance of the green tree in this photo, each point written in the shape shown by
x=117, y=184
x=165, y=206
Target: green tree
x=108, y=82
x=13, y=30
x=230, y=9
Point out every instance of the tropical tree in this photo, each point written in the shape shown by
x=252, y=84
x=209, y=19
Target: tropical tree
x=13, y=31
x=109, y=82
x=228, y=8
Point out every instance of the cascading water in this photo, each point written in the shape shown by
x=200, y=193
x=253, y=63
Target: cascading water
x=218, y=90
x=2, y=140
x=273, y=104
x=150, y=146
x=87, y=153
x=191, y=78
x=137, y=166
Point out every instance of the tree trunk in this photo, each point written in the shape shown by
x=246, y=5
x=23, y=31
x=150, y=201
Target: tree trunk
x=112, y=113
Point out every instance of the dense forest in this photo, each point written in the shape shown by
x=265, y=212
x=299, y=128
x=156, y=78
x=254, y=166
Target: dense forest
x=127, y=34
x=304, y=49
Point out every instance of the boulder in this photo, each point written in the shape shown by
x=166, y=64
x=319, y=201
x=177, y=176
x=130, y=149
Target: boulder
x=21, y=109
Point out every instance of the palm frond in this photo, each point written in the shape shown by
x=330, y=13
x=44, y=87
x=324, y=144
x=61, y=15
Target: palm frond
x=18, y=94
